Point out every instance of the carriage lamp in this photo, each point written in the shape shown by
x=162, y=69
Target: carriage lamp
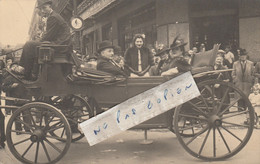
x=45, y=54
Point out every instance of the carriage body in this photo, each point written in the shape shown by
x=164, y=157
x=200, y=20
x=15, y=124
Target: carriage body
x=53, y=82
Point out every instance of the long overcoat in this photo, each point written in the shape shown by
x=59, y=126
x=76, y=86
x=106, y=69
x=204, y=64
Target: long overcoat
x=243, y=78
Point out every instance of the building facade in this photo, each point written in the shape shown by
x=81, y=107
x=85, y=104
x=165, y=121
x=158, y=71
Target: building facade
x=232, y=22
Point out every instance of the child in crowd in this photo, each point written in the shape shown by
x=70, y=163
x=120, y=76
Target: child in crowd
x=255, y=100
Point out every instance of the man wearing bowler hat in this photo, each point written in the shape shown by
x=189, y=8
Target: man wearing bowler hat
x=243, y=76
x=105, y=60
x=57, y=32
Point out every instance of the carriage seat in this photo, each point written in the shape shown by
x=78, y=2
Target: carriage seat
x=81, y=74
x=204, y=61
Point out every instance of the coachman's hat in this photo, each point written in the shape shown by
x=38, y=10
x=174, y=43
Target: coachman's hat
x=105, y=44
x=40, y=3
x=177, y=43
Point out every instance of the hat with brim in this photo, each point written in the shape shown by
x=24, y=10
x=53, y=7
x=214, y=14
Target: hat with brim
x=242, y=52
x=177, y=43
x=162, y=51
x=221, y=51
x=40, y=3
x=105, y=44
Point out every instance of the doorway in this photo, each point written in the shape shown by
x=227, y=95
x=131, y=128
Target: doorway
x=215, y=29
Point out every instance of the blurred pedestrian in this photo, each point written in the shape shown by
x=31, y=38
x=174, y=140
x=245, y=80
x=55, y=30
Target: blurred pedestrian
x=223, y=76
x=257, y=72
x=225, y=61
x=229, y=56
x=243, y=76
x=195, y=50
x=202, y=47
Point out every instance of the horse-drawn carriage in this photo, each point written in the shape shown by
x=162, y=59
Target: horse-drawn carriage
x=210, y=127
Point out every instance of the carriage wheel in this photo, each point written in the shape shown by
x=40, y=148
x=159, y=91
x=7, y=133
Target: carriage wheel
x=220, y=127
x=76, y=109
x=35, y=144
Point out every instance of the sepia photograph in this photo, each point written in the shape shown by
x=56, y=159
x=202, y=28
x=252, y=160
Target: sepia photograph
x=129, y=81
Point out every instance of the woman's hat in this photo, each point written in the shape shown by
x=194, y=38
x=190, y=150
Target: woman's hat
x=177, y=43
x=161, y=51
x=40, y=3
x=105, y=44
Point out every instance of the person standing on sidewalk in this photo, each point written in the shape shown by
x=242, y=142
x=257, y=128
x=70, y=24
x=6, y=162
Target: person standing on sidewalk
x=243, y=76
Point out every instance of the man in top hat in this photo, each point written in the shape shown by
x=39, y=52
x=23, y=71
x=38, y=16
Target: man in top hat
x=57, y=32
x=105, y=60
x=243, y=76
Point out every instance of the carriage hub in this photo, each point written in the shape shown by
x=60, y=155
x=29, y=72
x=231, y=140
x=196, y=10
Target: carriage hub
x=215, y=121
x=37, y=135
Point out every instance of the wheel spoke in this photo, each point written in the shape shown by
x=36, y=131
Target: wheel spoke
x=197, y=109
x=223, y=99
x=53, y=146
x=41, y=117
x=26, y=124
x=224, y=140
x=56, y=128
x=27, y=149
x=21, y=132
x=36, y=153
x=48, y=121
x=17, y=143
x=45, y=150
x=246, y=126
x=232, y=133
x=194, y=137
x=236, y=114
x=31, y=118
x=213, y=96
x=57, y=138
x=62, y=132
x=230, y=105
x=190, y=116
x=204, y=141
x=190, y=127
x=214, y=142
x=204, y=101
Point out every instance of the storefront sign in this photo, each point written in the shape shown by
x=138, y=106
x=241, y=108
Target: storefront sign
x=140, y=108
x=93, y=8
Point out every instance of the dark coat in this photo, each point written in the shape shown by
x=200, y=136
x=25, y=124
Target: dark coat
x=131, y=58
x=57, y=30
x=243, y=79
x=106, y=65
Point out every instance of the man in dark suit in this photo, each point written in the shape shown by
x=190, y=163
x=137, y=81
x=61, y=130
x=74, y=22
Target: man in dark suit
x=105, y=60
x=57, y=32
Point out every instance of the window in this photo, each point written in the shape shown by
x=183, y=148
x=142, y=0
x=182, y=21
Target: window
x=107, y=32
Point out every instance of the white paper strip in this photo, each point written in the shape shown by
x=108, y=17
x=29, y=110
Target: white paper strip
x=140, y=108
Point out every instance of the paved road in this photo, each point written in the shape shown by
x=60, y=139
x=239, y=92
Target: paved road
x=126, y=149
